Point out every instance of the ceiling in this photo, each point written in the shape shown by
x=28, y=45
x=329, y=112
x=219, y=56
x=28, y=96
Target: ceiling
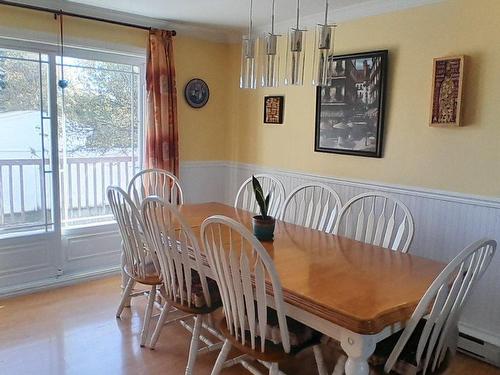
x=225, y=20
x=221, y=13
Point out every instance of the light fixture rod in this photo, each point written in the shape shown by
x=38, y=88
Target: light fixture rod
x=326, y=12
x=298, y=13
x=272, y=20
x=250, y=21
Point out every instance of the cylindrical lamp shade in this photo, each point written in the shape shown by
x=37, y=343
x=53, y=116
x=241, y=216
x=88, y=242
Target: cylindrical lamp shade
x=270, y=60
x=295, y=57
x=248, y=77
x=323, y=62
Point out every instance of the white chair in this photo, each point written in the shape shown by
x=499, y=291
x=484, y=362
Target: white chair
x=314, y=206
x=185, y=285
x=378, y=219
x=139, y=264
x=155, y=182
x=242, y=266
x=431, y=334
x=245, y=198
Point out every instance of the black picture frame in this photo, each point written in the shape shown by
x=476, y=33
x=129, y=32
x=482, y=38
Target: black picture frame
x=268, y=116
x=196, y=93
x=350, y=109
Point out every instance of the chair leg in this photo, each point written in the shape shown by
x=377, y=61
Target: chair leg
x=125, y=297
x=221, y=358
x=159, y=325
x=274, y=369
x=195, y=340
x=340, y=366
x=320, y=362
x=147, y=315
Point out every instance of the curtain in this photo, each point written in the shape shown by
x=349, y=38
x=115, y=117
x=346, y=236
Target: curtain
x=162, y=141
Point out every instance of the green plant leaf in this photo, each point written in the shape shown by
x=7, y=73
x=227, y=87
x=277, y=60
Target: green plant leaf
x=259, y=196
x=268, y=198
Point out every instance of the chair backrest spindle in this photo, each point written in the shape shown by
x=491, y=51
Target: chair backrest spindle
x=442, y=305
x=156, y=182
x=314, y=206
x=136, y=253
x=244, y=270
x=178, y=251
x=245, y=198
x=378, y=219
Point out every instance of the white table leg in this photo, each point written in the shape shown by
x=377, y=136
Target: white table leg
x=358, y=348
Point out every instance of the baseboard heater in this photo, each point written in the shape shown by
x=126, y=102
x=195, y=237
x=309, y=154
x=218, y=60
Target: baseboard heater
x=479, y=349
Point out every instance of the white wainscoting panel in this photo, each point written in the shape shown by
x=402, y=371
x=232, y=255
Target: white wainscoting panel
x=91, y=248
x=204, y=181
x=445, y=223
x=26, y=261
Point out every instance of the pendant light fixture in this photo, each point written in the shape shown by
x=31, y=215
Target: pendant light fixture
x=248, y=79
x=295, y=53
x=62, y=83
x=323, y=64
x=270, y=56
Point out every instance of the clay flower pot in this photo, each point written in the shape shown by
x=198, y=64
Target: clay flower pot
x=263, y=228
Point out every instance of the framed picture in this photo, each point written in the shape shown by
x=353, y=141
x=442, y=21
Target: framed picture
x=273, y=109
x=350, y=109
x=446, y=103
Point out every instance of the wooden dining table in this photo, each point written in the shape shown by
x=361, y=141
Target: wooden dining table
x=353, y=292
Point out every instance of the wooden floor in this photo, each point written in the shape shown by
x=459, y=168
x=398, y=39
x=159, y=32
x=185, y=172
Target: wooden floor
x=73, y=330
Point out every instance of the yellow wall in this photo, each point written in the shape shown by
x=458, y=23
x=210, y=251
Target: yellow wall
x=201, y=131
x=464, y=160
x=17, y=18
x=230, y=126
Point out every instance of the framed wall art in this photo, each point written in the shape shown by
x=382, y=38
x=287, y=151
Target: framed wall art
x=350, y=109
x=273, y=109
x=196, y=93
x=446, y=103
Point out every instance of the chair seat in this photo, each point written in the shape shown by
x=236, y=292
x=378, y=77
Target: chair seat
x=301, y=337
x=406, y=363
x=152, y=276
x=198, y=303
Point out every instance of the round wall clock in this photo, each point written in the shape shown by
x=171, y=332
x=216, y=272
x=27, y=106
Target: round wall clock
x=196, y=93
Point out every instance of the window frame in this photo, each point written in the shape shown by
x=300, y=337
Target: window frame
x=56, y=226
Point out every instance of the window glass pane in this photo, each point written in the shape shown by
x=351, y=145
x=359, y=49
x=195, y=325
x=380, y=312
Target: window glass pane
x=25, y=173
x=22, y=55
x=95, y=64
x=99, y=118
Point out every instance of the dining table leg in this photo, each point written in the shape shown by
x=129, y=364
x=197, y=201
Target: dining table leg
x=358, y=349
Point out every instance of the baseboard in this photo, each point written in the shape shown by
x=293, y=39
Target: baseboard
x=57, y=282
x=479, y=344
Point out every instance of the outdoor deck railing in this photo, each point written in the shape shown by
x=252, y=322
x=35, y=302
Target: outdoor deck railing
x=25, y=196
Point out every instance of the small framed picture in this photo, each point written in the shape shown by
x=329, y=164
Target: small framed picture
x=446, y=103
x=273, y=109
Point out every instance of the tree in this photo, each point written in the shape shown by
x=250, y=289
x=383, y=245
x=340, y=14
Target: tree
x=20, y=81
x=100, y=104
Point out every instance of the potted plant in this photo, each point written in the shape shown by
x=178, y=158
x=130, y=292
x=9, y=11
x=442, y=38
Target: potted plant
x=263, y=224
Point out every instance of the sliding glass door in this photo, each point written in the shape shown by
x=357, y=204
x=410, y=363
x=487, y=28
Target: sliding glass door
x=93, y=128
x=26, y=120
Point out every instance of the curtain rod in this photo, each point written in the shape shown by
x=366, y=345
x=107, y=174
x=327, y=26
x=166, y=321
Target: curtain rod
x=76, y=15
